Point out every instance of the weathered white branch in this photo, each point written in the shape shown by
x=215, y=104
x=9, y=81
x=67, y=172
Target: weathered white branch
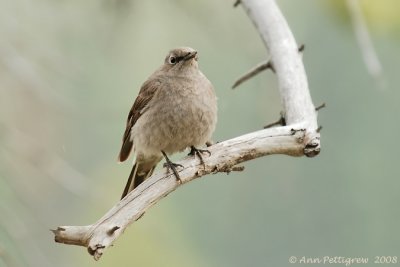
x=224, y=155
x=288, y=65
x=299, y=137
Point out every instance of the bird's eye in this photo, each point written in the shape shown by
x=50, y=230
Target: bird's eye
x=172, y=60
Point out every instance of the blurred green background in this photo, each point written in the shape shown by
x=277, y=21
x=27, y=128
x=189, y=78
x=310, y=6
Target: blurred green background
x=69, y=72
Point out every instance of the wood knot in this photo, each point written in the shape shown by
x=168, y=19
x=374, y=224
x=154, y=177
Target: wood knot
x=112, y=230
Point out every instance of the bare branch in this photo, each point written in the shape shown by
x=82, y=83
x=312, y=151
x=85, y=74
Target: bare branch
x=253, y=72
x=224, y=158
x=298, y=138
x=292, y=79
x=257, y=69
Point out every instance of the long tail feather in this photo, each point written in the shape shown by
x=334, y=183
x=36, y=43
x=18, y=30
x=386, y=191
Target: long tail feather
x=136, y=177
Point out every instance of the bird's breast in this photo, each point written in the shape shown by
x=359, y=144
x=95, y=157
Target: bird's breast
x=182, y=114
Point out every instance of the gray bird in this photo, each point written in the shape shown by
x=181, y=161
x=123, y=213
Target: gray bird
x=176, y=109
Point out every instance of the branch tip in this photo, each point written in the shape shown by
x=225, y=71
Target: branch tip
x=97, y=251
x=313, y=148
x=237, y=2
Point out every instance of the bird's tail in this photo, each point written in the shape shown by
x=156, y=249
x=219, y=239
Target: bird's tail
x=137, y=176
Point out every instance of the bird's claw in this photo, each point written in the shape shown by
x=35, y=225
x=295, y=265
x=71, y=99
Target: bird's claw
x=172, y=166
x=198, y=152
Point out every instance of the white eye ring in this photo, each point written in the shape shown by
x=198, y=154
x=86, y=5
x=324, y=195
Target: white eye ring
x=172, y=60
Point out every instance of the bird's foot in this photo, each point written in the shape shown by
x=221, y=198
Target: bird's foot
x=172, y=166
x=197, y=152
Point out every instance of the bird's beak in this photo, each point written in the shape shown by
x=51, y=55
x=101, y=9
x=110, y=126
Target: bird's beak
x=190, y=55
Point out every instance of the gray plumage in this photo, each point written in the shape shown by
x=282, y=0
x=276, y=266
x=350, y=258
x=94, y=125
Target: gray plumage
x=176, y=108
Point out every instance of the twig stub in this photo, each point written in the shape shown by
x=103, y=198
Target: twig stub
x=323, y=105
x=112, y=230
x=281, y=121
x=259, y=68
x=253, y=72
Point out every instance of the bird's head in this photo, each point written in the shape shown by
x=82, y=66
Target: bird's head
x=181, y=59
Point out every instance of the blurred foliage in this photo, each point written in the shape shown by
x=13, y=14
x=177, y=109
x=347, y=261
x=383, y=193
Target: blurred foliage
x=69, y=71
x=382, y=15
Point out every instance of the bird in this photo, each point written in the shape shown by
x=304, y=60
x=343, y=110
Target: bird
x=176, y=109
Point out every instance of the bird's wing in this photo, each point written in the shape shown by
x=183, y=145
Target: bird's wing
x=146, y=93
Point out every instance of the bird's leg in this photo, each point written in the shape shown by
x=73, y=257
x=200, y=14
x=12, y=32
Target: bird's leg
x=197, y=152
x=170, y=165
